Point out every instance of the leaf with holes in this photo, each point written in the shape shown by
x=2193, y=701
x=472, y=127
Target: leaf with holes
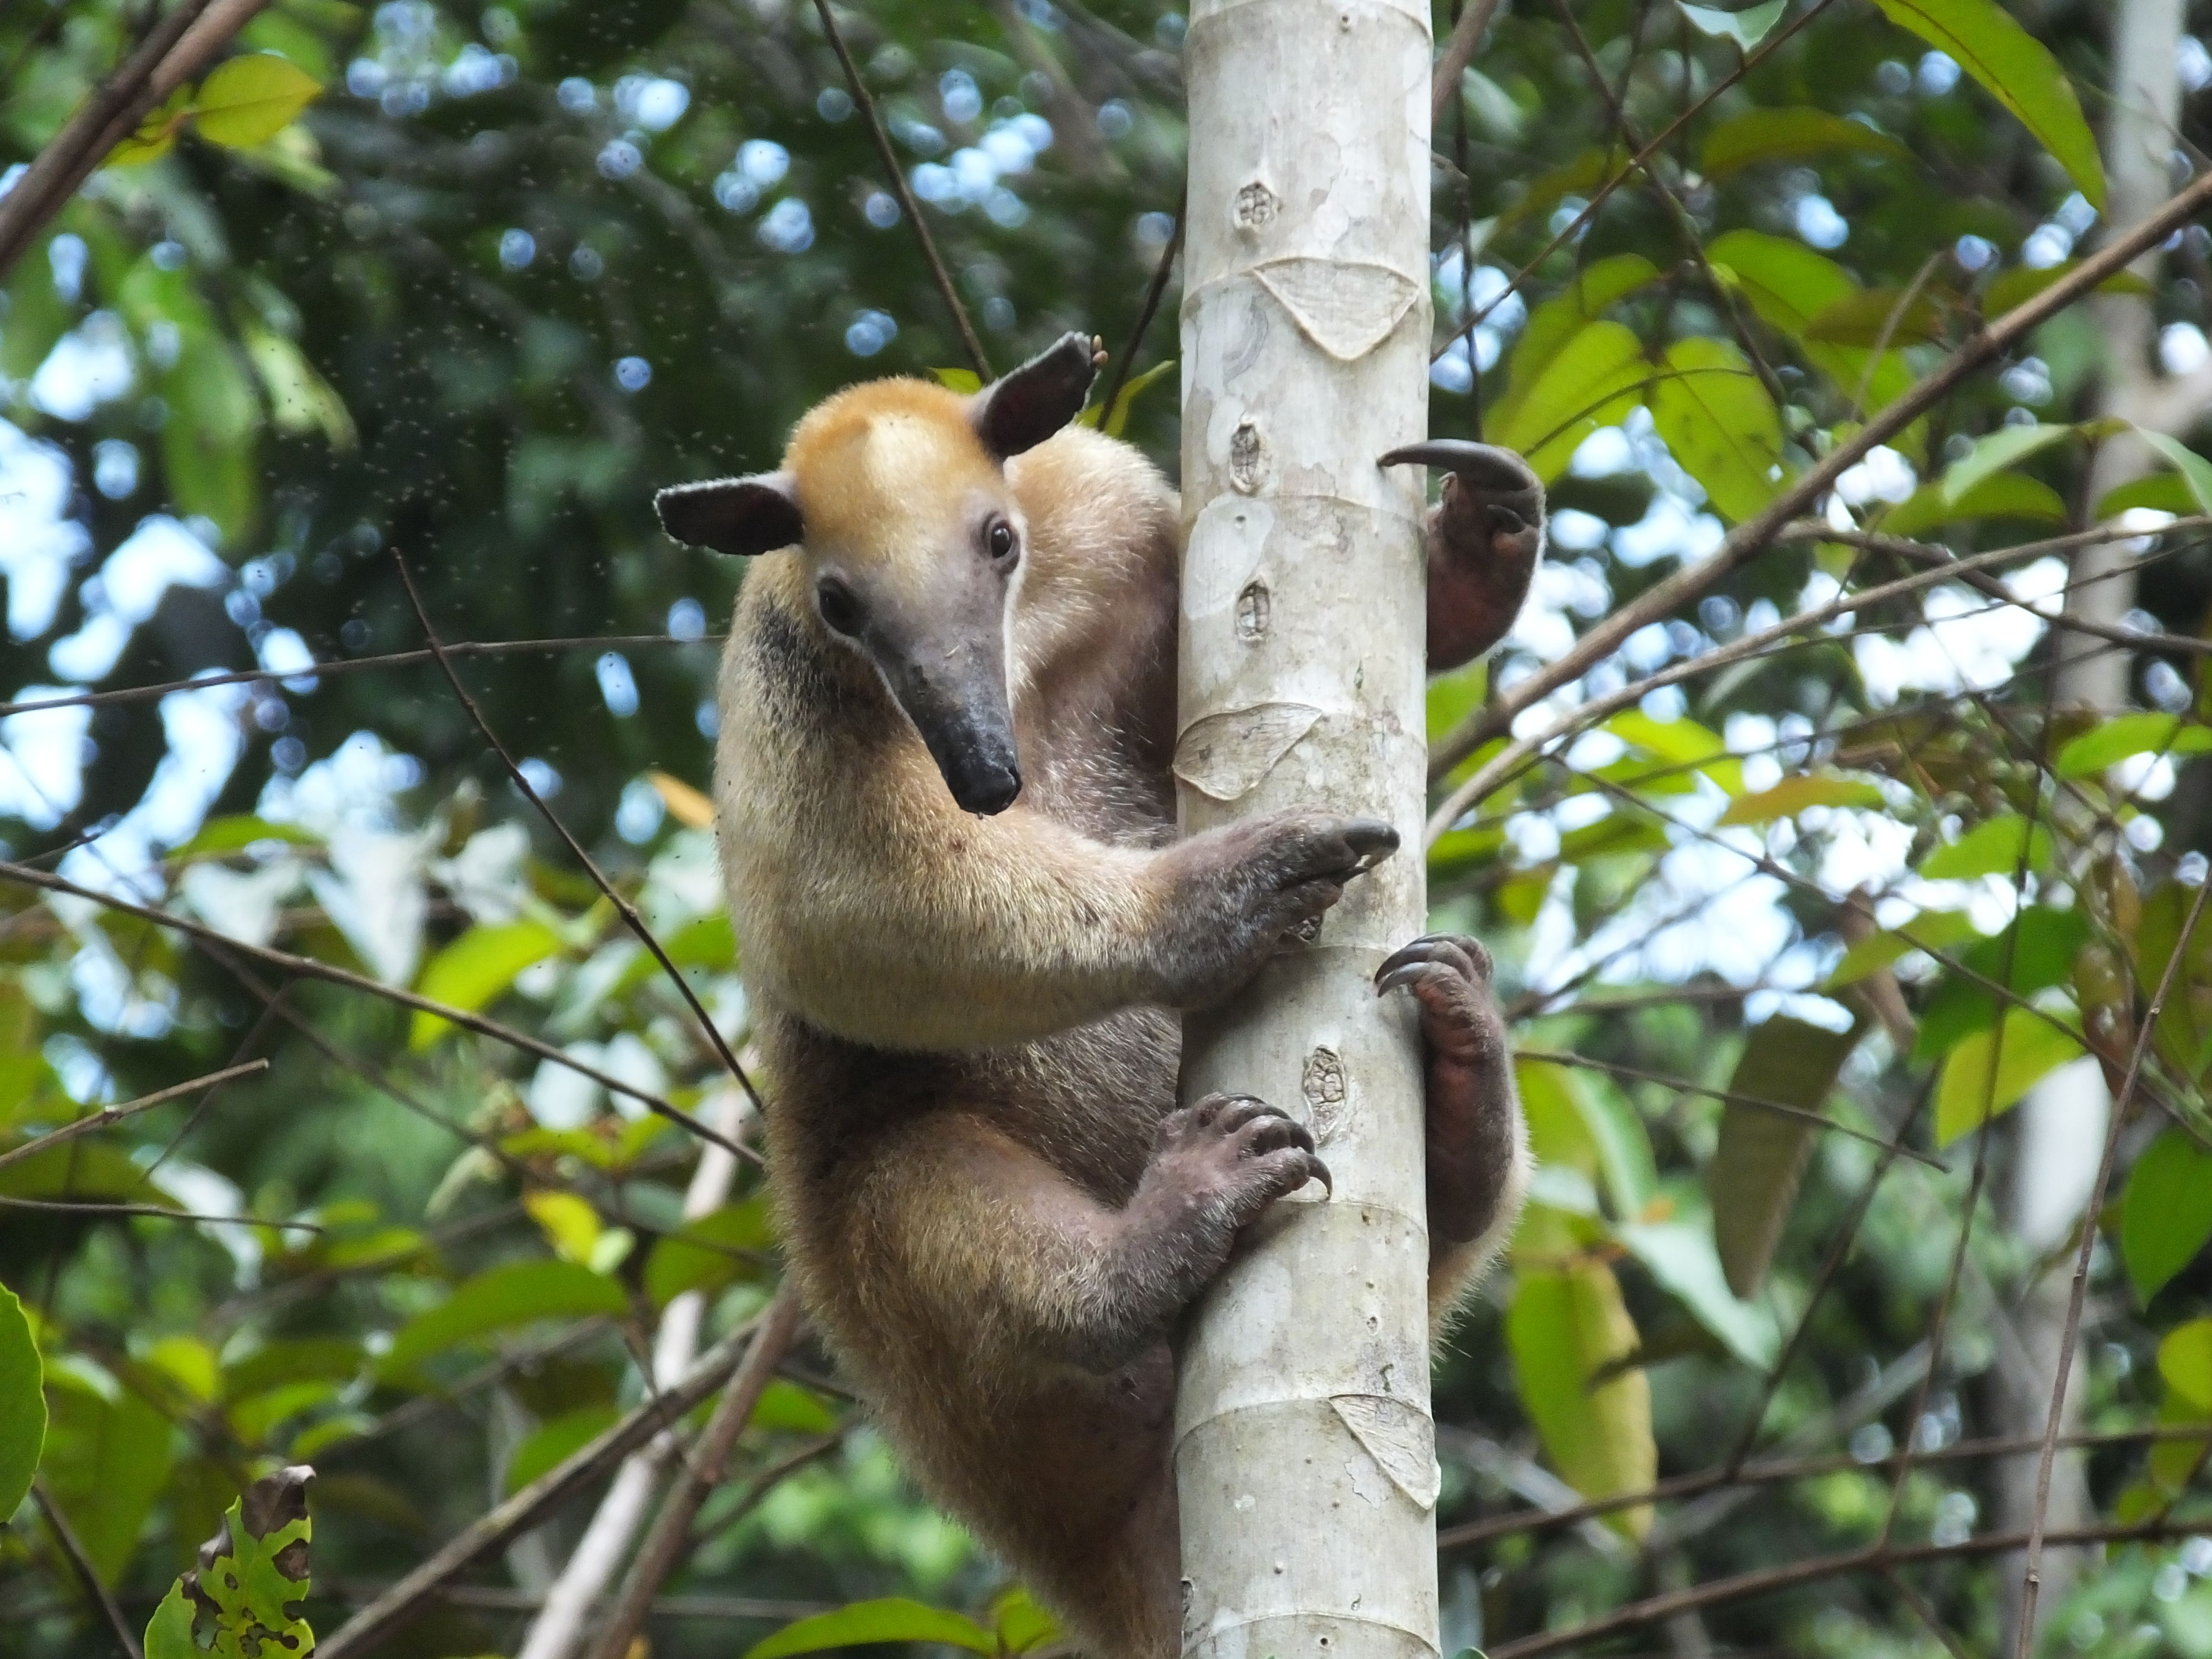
x=2016, y=69
x=246, y=1602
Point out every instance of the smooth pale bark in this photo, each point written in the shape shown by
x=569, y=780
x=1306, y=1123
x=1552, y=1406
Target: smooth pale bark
x=2059, y=1130
x=1305, y=1455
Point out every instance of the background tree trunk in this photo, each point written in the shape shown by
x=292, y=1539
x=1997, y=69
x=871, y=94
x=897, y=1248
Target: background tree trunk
x=2059, y=1129
x=1304, y=1451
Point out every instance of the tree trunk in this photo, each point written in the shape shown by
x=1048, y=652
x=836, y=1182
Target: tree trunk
x=1304, y=1450
x=2059, y=1130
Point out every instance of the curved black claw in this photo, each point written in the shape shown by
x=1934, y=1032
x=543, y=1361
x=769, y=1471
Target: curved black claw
x=1486, y=466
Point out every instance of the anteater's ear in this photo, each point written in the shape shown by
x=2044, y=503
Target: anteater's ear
x=1019, y=410
x=757, y=513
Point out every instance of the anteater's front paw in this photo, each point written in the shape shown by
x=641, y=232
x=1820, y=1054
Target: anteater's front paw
x=1231, y=1156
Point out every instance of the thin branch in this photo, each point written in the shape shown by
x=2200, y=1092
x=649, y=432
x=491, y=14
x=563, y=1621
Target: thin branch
x=408, y=1598
x=702, y=1471
x=1779, y=1108
x=897, y=176
x=1751, y=537
x=353, y=665
x=1492, y=772
x=2032, y=1577
x=108, y=1114
x=176, y=48
x=492, y=1598
x=1118, y=372
x=623, y=907
x=1812, y=1569
x=1458, y=53
x=154, y=1211
x=309, y=967
x=95, y=1592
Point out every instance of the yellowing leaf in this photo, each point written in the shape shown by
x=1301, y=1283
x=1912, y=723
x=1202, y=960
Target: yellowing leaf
x=1567, y=1324
x=1780, y=135
x=475, y=968
x=250, y=100
x=2184, y=1360
x=1721, y=425
x=570, y=1225
x=1968, y=1094
x=2016, y=69
x=1793, y=795
x=687, y=806
x=1593, y=381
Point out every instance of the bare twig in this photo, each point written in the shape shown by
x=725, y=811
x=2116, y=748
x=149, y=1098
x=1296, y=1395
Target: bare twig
x=309, y=967
x=351, y=666
x=406, y=1599
x=896, y=177
x=1118, y=373
x=1752, y=538
x=623, y=907
x=1458, y=53
x=701, y=1474
x=153, y=1212
x=108, y=1114
x=2032, y=1577
x=95, y=1591
x=1683, y=1085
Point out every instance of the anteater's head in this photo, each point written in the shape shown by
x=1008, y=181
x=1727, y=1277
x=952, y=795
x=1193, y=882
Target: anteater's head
x=894, y=494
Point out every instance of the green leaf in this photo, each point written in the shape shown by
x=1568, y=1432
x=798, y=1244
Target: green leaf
x=570, y=1224
x=1793, y=795
x=1680, y=742
x=1594, y=380
x=2018, y=286
x=2184, y=1360
x=1617, y=835
x=2161, y=492
x=552, y=1443
x=2016, y=69
x=246, y=1600
x=892, y=1618
x=704, y=1255
x=1931, y=930
x=2166, y=1217
x=958, y=380
x=1021, y=1624
x=2184, y=1024
x=1598, y=285
x=1996, y=452
x=1117, y=418
x=1990, y=848
x=1681, y=1256
x=2001, y=496
x=1788, y=285
x=1878, y=316
x=1720, y=424
x=1787, y=135
x=299, y=399
x=23, y=1404
x=2195, y=472
x=1753, y=1178
x=477, y=968
x=2035, y=952
x=250, y=100
x=1747, y=25
x=2023, y=1050
x=1566, y=1325
x=106, y=1459
x=239, y=830
x=514, y=1294
x=2124, y=735
x=785, y=1405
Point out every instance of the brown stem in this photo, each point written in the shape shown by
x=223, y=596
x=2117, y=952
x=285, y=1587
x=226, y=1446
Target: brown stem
x=702, y=1471
x=95, y=1592
x=108, y=1114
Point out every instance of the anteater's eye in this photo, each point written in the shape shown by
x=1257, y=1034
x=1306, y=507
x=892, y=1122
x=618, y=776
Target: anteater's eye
x=838, y=606
x=1000, y=539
